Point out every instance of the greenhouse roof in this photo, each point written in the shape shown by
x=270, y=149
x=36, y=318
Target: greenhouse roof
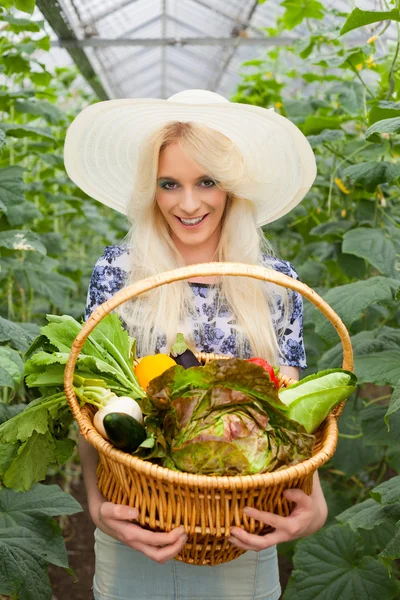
x=155, y=48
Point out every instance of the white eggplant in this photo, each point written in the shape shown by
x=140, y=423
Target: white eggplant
x=117, y=404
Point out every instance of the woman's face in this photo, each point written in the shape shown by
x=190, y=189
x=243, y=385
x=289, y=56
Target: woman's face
x=189, y=200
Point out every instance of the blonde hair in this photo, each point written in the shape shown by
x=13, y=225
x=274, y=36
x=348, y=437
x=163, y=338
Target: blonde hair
x=169, y=309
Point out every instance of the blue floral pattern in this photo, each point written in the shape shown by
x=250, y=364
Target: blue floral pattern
x=212, y=329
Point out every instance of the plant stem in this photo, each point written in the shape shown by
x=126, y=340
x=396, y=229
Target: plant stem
x=392, y=68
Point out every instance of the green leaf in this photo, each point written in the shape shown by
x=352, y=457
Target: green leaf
x=331, y=228
x=311, y=399
x=11, y=368
x=352, y=299
x=374, y=429
x=370, y=174
x=44, y=109
x=385, y=126
x=16, y=335
x=374, y=246
x=30, y=539
x=394, y=405
x=26, y=241
x=27, y=6
x=54, y=286
x=364, y=342
x=18, y=25
x=22, y=131
x=31, y=463
x=384, y=109
x=41, y=79
x=314, y=125
x=34, y=418
x=327, y=135
x=330, y=564
x=11, y=185
x=359, y=18
x=15, y=63
x=387, y=492
x=353, y=445
x=64, y=450
x=7, y=411
x=392, y=550
x=381, y=368
x=297, y=11
x=369, y=514
x=21, y=213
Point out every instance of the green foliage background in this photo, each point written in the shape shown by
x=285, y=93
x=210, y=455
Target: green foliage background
x=344, y=240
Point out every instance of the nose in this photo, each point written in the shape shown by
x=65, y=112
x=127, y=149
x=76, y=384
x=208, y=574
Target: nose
x=190, y=201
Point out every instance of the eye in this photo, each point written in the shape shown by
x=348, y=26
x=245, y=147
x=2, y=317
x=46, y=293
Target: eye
x=207, y=183
x=168, y=185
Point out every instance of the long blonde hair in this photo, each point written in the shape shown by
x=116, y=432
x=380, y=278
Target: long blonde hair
x=170, y=309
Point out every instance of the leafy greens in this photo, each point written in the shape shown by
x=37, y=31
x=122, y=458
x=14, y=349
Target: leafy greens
x=37, y=437
x=225, y=418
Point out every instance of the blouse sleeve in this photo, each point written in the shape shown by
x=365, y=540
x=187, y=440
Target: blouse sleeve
x=106, y=280
x=290, y=325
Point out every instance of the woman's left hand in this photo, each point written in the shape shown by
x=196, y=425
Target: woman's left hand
x=307, y=517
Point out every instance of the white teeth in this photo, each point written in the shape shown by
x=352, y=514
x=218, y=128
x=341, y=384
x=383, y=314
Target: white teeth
x=191, y=221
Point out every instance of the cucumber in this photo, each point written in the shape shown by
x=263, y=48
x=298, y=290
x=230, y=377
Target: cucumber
x=125, y=432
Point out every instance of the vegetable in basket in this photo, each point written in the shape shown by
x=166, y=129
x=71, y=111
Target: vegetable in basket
x=152, y=366
x=227, y=417
x=223, y=419
x=182, y=353
x=310, y=400
x=37, y=437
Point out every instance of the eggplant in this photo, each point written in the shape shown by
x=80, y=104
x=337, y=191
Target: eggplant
x=182, y=354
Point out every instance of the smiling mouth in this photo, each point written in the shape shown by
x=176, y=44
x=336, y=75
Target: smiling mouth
x=192, y=222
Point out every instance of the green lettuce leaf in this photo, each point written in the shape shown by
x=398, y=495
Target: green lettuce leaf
x=311, y=399
x=222, y=419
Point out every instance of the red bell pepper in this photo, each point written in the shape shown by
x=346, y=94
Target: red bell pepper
x=265, y=365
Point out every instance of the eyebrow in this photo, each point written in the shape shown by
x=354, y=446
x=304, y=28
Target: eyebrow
x=173, y=178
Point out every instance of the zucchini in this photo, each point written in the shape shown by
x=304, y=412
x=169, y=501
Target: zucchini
x=124, y=431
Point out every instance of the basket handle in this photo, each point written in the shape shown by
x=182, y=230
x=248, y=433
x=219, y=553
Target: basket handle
x=199, y=270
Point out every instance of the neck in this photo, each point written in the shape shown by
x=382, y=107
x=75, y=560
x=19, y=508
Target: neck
x=202, y=253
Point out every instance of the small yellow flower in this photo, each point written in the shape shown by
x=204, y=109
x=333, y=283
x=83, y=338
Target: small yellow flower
x=318, y=210
x=343, y=212
x=370, y=62
x=359, y=67
x=372, y=39
x=269, y=74
x=278, y=104
x=341, y=186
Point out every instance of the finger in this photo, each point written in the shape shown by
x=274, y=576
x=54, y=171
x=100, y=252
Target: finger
x=161, y=555
x=297, y=496
x=235, y=542
x=118, y=512
x=151, y=538
x=260, y=542
x=275, y=521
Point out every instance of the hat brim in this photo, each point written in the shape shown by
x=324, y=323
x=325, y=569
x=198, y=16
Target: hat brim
x=103, y=142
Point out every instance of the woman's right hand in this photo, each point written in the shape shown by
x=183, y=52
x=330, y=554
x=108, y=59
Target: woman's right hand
x=116, y=520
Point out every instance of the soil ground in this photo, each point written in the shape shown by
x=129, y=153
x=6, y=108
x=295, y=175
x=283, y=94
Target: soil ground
x=78, y=535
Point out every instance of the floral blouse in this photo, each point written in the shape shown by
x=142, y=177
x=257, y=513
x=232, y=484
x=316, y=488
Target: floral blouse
x=214, y=328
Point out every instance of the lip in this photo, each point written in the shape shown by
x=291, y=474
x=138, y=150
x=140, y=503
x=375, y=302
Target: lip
x=192, y=226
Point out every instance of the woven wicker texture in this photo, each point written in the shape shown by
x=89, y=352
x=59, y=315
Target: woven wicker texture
x=207, y=506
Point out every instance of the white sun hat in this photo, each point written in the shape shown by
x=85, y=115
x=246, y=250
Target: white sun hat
x=103, y=142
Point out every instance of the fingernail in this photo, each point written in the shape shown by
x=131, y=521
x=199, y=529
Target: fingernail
x=246, y=510
x=133, y=513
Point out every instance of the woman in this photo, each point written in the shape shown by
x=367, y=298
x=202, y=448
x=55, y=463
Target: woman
x=197, y=177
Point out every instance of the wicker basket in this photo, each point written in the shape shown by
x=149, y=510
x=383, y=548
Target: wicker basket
x=207, y=506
